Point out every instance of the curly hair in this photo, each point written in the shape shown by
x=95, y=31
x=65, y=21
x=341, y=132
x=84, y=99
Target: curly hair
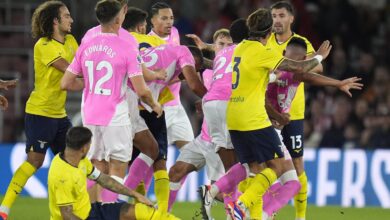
x=260, y=23
x=42, y=19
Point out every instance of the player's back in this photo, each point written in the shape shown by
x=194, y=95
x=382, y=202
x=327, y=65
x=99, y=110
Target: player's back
x=282, y=92
x=106, y=61
x=97, y=30
x=221, y=86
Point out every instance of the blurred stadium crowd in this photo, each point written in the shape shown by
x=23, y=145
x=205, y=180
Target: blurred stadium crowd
x=358, y=29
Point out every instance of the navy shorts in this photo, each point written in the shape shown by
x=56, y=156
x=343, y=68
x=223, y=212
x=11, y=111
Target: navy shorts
x=44, y=132
x=105, y=211
x=293, y=138
x=158, y=127
x=256, y=146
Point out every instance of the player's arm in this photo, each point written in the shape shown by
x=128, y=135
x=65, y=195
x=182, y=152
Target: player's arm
x=67, y=213
x=317, y=69
x=145, y=94
x=282, y=119
x=72, y=82
x=113, y=185
x=3, y=102
x=193, y=81
x=5, y=84
x=320, y=80
x=207, y=63
x=199, y=43
x=306, y=65
x=150, y=75
x=61, y=64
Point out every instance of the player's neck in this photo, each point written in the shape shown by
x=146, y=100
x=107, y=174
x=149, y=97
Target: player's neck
x=260, y=39
x=110, y=29
x=72, y=157
x=281, y=38
x=160, y=34
x=58, y=36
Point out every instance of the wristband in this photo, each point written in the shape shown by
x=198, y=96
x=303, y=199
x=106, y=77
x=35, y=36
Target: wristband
x=272, y=77
x=319, y=58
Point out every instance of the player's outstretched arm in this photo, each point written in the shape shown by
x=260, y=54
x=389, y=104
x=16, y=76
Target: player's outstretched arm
x=193, y=81
x=306, y=65
x=6, y=84
x=145, y=94
x=71, y=82
x=67, y=213
x=113, y=185
x=150, y=75
x=199, y=43
x=3, y=102
x=320, y=80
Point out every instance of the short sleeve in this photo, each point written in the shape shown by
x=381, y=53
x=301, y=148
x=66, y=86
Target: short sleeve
x=270, y=58
x=63, y=191
x=134, y=62
x=310, y=49
x=75, y=66
x=185, y=57
x=48, y=52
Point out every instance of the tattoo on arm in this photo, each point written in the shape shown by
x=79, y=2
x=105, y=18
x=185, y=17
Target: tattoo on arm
x=67, y=213
x=111, y=184
x=298, y=66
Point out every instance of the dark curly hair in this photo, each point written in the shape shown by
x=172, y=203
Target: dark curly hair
x=42, y=19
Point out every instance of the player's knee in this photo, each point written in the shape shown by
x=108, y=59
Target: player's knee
x=176, y=173
x=36, y=161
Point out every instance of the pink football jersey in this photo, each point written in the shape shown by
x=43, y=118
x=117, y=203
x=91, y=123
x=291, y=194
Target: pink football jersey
x=173, y=38
x=221, y=87
x=207, y=80
x=282, y=92
x=170, y=57
x=106, y=62
x=95, y=31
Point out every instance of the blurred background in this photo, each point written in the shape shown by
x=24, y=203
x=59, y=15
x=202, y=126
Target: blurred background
x=358, y=29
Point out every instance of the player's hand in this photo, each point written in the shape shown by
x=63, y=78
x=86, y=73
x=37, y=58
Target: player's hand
x=199, y=43
x=173, y=81
x=8, y=84
x=143, y=199
x=350, y=83
x=284, y=119
x=276, y=124
x=158, y=109
x=161, y=74
x=324, y=49
x=3, y=102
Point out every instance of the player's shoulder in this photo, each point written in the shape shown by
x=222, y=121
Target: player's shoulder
x=302, y=37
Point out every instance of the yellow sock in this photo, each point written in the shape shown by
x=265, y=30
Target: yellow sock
x=141, y=190
x=253, y=196
x=22, y=174
x=243, y=185
x=144, y=212
x=161, y=189
x=300, y=200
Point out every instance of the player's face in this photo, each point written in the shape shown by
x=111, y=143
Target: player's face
x=282, y=20
x=222, y=42
x=142, y=28
x=295, y=52
x=163, y=22
x=65, y=21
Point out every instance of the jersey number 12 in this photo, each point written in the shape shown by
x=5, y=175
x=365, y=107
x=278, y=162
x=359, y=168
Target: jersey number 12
x=98, y=86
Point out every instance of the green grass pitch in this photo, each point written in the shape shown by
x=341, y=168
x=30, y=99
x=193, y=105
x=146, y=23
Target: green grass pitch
x=27, y=208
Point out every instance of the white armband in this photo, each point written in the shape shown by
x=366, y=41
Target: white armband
x=319, y=58
x=95, y=174
x=272, y=77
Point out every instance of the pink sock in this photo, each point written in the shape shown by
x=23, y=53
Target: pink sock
x=231, y=179
x=268, y=196
x=280, y=197
x=148, y=178
x=107, y=195
x=138, y=170
x=174, y=189
x=90, y=183
x=230, y=197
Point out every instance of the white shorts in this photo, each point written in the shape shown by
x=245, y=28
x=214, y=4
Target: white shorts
x=215, y=115
x=111, y=142
x=137, y=122
x=178, y=125
x=287, y=155
x=200, y=153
